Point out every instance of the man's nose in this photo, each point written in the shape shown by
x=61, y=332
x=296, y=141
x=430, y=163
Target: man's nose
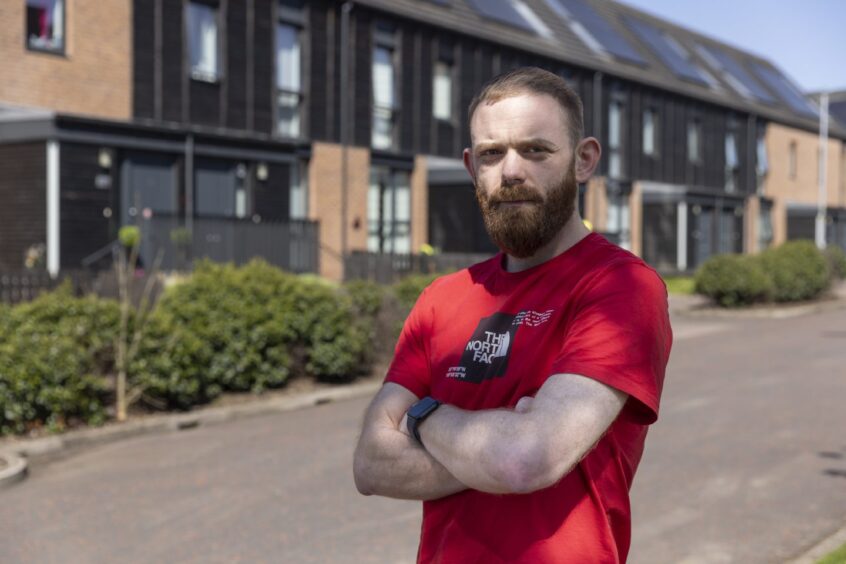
x=513, y=168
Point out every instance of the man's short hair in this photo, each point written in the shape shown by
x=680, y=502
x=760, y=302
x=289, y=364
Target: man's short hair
x=534, y=80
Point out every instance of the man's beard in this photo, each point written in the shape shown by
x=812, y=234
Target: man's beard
x=521, y=230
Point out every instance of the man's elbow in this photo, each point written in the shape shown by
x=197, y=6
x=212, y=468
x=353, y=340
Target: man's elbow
x=362, y=475
x=527, y=470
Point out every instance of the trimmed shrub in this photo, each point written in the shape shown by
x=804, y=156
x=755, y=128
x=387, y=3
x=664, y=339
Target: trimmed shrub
x=409, y=289
x=836, y=259
x=248, y=328
x=54, y=353
x=367, y=297
x=733, y=280
x=798, y=270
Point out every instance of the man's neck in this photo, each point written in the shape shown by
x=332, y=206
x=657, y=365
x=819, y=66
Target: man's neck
x=572, y=232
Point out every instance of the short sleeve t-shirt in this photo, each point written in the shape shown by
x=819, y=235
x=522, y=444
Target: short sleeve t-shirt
x=482, y=338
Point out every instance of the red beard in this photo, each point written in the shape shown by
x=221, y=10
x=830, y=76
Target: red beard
x=520, y=231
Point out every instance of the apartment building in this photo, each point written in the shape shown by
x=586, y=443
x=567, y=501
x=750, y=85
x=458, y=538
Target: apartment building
x=352, y=116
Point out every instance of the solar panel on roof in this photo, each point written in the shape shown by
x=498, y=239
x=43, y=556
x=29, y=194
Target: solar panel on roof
x=785, y=90
x=601, y=30
x=668, y=54
x=500, y=10
x=727, y=63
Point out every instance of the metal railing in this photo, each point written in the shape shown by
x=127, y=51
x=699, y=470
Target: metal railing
x=291, y=245
x=388, y=268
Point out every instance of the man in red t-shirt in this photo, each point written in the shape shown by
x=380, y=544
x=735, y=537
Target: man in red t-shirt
x=517, y=403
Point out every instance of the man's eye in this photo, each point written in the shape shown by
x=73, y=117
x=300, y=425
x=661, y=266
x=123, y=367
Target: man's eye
x=489, y=153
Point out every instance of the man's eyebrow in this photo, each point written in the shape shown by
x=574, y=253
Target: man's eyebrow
x=482, y=145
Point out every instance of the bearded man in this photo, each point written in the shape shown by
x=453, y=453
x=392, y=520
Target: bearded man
x=518, y=400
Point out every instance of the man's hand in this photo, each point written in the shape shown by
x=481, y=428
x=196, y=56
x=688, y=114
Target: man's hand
x=388, y=461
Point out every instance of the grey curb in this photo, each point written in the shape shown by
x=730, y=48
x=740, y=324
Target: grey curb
x=822, y=548
x=777, y=312
x=15, y=453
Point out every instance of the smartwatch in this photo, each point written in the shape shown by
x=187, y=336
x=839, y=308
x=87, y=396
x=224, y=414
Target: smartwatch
x=418, y=413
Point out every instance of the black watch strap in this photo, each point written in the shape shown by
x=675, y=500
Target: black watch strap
x=418, y=413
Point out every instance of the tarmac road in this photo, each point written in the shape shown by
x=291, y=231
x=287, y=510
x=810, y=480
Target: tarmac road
x=747, y=464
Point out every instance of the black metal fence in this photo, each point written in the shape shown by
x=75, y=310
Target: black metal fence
x=290, y=245
x=26, y=285
x=388, y=268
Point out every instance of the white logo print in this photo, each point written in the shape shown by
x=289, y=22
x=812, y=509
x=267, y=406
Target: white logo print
x=532, y=318
x=495, y=345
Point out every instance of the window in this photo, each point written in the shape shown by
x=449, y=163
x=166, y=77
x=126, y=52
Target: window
x=765, y=225
x=694, y=141
x=389, y=211
x=442, y=99
x=762, y=163
x=791, y=161
x=202, y=42
x=650, y=132
x=288, y=79
x=298, y=198
x=385, y=104
x=732, y=162
x=45, y=25
x=615, y=139
x=617, y=218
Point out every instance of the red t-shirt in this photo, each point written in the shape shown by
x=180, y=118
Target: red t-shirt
x=482, y=338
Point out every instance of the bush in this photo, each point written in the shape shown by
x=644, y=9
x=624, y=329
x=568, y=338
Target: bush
x=409, y=289
x=54, y=353
x=248, y=328
x=836, y=259
x=733, y=280
x=367, y=297
x=798, y=270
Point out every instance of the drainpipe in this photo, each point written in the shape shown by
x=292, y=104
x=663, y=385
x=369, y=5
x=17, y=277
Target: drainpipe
x=346, y=8
x=819, y=232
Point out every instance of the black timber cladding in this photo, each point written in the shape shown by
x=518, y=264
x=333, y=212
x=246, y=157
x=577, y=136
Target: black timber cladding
x=143, y=59
x=23, y=191
x=236, y=65
x=173, y=66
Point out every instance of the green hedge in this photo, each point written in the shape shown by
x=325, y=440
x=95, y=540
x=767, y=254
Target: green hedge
x=54, y=353
x=248, y=328
x=794, y=271
x=798, y=270
x=836, y=259
x=733, y=280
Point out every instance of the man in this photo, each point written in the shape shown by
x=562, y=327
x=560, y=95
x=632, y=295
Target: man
x=518, y=399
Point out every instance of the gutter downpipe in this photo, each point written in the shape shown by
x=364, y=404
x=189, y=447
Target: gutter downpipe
x=822, y=195
x=346, y=8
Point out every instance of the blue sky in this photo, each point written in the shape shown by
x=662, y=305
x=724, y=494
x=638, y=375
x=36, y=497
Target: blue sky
x=804, y=38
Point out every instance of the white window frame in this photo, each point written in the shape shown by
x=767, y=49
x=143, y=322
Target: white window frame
x=732, y=162
x=385, y=98
x=694, y=141
x=291, y=90
x=443, y=91
x=616, y=135
x=651, y=125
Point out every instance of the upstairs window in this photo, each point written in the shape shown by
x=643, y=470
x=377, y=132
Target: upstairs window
x=615, y=139
x=762, y=163
x=442, y=98
x=694, y=142
x=792, y=160
x=650, y=132
x=202, y=42
x=288, y=79
x=385, y=103
x=732, y=162
x=45, y=25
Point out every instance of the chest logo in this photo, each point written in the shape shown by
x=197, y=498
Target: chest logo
x=486, y=354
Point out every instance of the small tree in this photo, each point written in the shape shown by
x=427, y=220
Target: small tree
x=129, y=340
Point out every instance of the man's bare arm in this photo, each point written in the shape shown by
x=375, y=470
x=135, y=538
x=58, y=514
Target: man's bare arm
x=390, y=463
x=528, y=448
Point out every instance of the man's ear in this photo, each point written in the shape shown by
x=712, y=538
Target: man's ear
x=468, y=164
x=587, y=154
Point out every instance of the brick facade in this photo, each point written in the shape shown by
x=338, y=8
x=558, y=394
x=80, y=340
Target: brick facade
x=92, y=77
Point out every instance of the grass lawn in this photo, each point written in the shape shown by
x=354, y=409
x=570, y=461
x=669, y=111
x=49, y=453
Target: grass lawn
x=836, y=557
x=679, y=284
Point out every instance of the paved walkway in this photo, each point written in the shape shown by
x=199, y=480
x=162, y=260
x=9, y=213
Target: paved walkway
x=747, y=464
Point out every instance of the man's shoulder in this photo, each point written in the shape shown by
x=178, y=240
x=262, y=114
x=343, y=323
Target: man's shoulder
x=607, y=261
x=465, y=277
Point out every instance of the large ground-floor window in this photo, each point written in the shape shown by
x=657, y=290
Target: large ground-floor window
x=389, y=211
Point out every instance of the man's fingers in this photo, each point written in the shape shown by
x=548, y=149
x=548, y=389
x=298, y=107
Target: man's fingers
x=524, y=404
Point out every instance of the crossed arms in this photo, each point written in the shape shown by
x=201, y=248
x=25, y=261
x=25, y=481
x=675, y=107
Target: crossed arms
x=501, y=451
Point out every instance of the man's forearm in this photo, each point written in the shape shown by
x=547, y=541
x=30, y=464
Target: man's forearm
x=489, y=450
x=390, y=463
